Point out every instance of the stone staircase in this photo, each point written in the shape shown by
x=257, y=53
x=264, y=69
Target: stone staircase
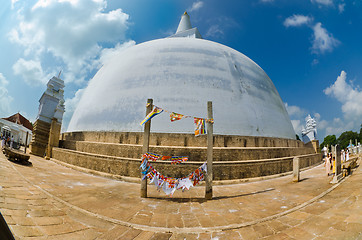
x=234, y=157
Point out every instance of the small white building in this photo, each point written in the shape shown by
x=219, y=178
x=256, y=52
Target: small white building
x=16, y=126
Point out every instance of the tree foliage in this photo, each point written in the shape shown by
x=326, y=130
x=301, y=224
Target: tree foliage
x=329, y=140
x=345, y=137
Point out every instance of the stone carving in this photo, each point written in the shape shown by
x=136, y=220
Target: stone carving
x=309, y=133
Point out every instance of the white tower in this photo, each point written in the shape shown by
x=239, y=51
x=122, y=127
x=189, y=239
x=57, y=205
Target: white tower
x=51, y=108
x=309, y=133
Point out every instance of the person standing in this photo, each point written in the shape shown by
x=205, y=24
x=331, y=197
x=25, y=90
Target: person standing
x=327, y=164
x=347, y=154
x=343, y=156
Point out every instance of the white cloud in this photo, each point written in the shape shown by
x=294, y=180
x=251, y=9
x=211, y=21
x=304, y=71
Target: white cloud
x=341, y=7
x=297, y=20
x=338, y=126
x=322, y=40
x=5, y=99
x=70, y=105
x=214, y=30
x=298, y=126
x=72, y=31
x=323, y=2
x=296, y=115
x=294, y=110
x=108, y=53
x=13, y=3
x=350, y=97
x=315, y=62
x=220, y=25
x=31, y=71
x=196, y=6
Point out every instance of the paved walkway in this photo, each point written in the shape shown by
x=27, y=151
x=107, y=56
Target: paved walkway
x=49, y=201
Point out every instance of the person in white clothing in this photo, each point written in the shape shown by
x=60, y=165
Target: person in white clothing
x=347, y=155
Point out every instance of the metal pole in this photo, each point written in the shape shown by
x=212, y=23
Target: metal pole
x=146, y=144
x=210, y=144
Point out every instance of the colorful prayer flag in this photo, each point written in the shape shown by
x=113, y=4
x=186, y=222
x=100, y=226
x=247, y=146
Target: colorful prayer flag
x=153, y=113
x=199, y=126
x=175, y=116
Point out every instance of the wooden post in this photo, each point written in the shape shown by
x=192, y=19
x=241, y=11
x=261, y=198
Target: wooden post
x=26, y=141
x=210, y=145
x=146, y=144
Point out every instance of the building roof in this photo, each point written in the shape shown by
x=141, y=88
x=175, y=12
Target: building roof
x=21, y=120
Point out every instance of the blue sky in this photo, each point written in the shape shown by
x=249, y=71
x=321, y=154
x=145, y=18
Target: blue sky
x=311, y=49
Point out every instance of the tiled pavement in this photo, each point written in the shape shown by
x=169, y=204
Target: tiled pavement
x=49, y=201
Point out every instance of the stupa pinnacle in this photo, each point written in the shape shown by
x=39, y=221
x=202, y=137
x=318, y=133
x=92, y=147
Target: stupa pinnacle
x=184, y=28
x=185, y=23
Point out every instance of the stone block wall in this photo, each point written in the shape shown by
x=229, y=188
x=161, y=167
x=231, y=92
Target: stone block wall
x=221, y=170
x=234, y=157
x=39, y=142
x=180, y=139
x=194, y=153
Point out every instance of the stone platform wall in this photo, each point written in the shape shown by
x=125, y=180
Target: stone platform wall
x=194, y=153
x=180, y=139
x=235, y=157
x=222, y=170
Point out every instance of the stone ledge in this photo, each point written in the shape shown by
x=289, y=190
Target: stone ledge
x=180, y=139
x=194, y=153
x=232, y=170
x=190, y=162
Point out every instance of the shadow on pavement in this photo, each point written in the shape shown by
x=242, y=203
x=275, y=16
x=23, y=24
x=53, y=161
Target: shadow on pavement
x=202, y=200
x=5, y=232
x=22, y=163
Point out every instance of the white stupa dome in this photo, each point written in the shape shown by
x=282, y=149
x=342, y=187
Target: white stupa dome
x=181, y=74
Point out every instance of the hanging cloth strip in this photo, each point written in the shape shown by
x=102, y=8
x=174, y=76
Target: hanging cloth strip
x=154, y=112
x=200, y=128
x=176, y=116
x=174, y=159
x=168, y=184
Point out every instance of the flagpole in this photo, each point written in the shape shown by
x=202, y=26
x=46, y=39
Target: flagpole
x=146, y=144
x=210, y=144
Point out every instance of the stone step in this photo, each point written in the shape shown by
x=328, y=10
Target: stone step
x=194, y=153
x=180, y=139
x=222, y=170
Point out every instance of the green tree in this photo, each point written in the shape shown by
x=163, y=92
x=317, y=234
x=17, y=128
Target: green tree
x=329, y=140
x=345, y=137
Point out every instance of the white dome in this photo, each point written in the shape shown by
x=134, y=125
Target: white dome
x=181, y=75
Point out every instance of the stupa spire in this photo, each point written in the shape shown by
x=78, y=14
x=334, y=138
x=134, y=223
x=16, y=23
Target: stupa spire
x=185, y=23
